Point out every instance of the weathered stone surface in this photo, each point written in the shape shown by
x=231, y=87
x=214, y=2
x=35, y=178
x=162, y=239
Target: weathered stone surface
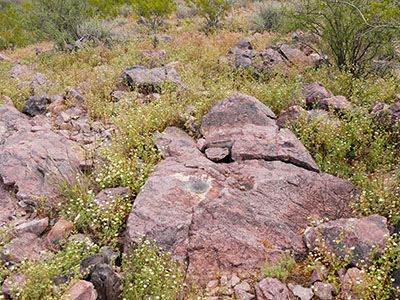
x=106, y=282
x=315, y=92
x=36, y=105
x=319, y=274
x=28, y=158
x=289, y=117
x=358, y=236
x=294, y=55
x=301, y=292
x=72, y=93
x=217, y=154
x=60, y=231
x=271, y=289
x=8, y=205
x=26, y=246
x=218, y=217
x=35, y=226
x=337, y=103
x=4, y=57
x=385, y=114
x=80, y=290
x=323, y=290
x=12, y=282
x=247, y=127
x=150, y=80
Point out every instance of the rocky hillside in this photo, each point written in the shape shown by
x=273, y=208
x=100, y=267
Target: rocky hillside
x=186, y=161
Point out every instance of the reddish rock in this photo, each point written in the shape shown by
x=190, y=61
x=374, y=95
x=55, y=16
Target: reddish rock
x=217, y=154
x=29, y=158
x=248, y=128
x=35, y=226
x=315, y=92
x=337, y=103
x=60, y=231
x=26, y=246
x=271, y=289
x=8, y=206
x=11, y=283
x=289, y=117
x=352, y=285
x=357, y=236
x=323, y=290
x=301, y=292
x=80, y=290
x=294, y=55
x=219, y=216
x=319, y=274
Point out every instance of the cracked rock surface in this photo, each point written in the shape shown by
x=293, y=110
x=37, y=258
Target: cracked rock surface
x=229, y=216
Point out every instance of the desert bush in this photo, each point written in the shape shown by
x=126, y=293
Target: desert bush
x=355, y=41
x=213, y=11
x=267, y=16
x=280, y=270
x=96, y=31
x=12, y=32
x=184, y=11
x=151, y=273
x=125, y=10
x=57, y=20
x=105, y=8
x=154, y=12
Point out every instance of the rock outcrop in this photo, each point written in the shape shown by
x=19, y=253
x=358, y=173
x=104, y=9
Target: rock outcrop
x=228, y=216
x=30, y=155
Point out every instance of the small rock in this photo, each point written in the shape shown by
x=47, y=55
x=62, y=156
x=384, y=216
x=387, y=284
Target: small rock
x=106, y=282
x=66, y=126
x=302, y=292
x=271, y=289
x=35, y=226
x=315, y=92
x=323, y=290
x=4, y=57
x=107, y=198
x=217, y=154
x=36, y=105
x=80, y=290
x=12, y=282
x=223, y=281
x=26, y=246
x=289, y=117
x=60, y=231
x=319, y=274
x=73, y=93
x=352, y=284
x=234, y=280
x=212, y=284
x=337, y=103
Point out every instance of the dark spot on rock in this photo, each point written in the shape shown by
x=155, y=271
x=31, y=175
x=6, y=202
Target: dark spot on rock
x=199, y=187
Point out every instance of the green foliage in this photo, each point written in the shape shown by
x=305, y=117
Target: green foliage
x=104, y=222
x=267, y=16
x=12, y=33
x=151, y=273
x=105, y=8
x=57, y=20
x=281, y=270
x=96, y=31
x=213, y=11
x=354, y=42
x=40, y=275
x=154, y=11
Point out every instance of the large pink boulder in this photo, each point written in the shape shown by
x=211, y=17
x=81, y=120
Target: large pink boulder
x=228, y=217
x=30, y=157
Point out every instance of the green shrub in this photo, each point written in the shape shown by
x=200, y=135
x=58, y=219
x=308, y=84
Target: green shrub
x=151, y=273
x=154, y=12
x=104, y=8
x=57, y=20
x=281, y=270
x=353, y=43
x=213, y=11
x=268, y=16
x=12, y=32
x=96, y=31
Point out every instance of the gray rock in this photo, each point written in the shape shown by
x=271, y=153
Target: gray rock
x=314, y=93
x=36, y=105
x=80, y=290
x=35, y=226
x=302, y=292
x=106, y=282
x=151, y=80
